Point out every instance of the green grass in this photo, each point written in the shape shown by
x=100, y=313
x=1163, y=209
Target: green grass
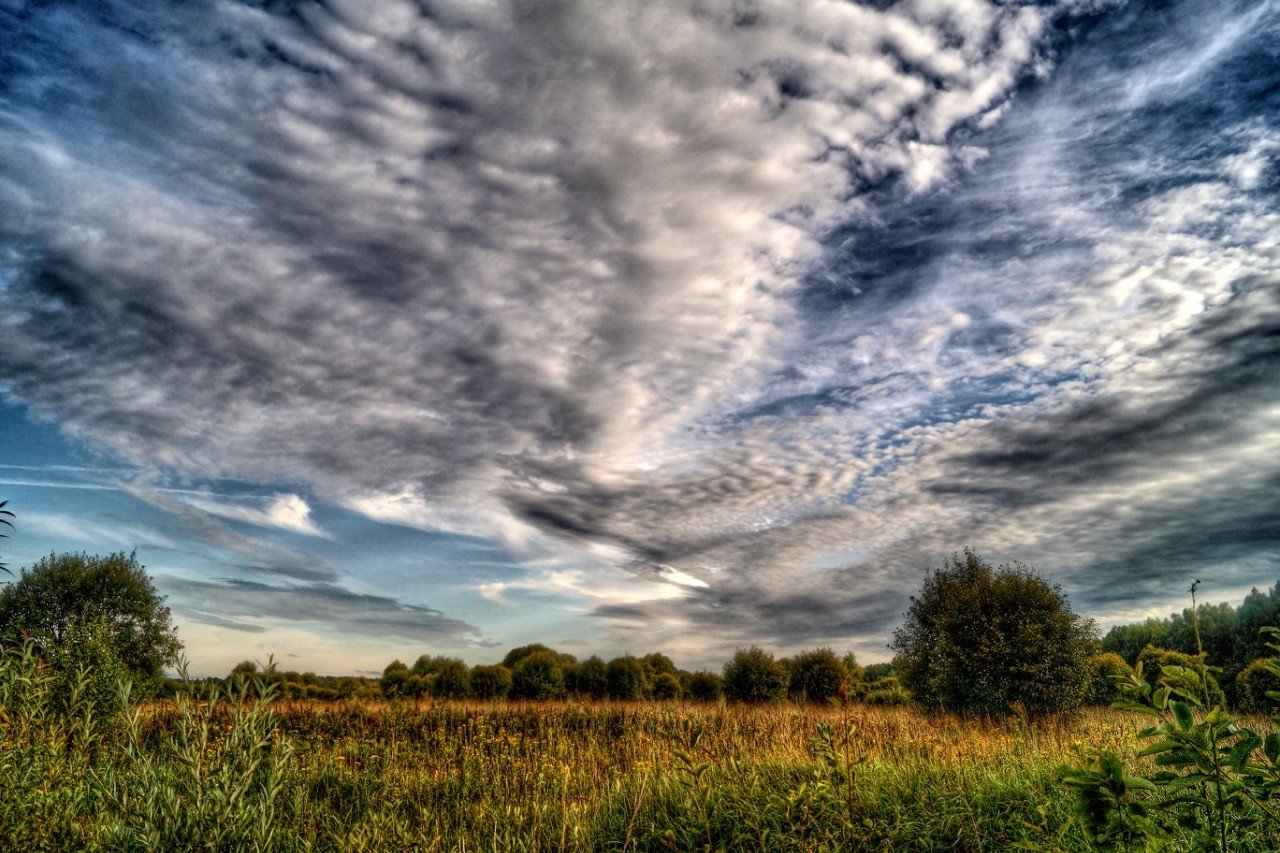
x=241, y=774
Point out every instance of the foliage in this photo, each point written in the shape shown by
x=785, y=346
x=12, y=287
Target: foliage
x=983, y=640
x=451, y=680
x=395, y=679
x=818, y=676
x=516, y=655
x=1155, y=660
x=490, y=682
x=58, y=592
x=703, y=686
x=626, y=678
x=1216, y=779
x=754, y=676
x=591, y=679
x=1107, y=670
x=1257, y=687
x=1230, y=637
x=887, y=691
x=665, y=685
x=537, y=676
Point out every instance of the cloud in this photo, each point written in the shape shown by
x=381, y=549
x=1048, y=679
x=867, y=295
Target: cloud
x=729, y=317
x=285, y=511
x=331, y=605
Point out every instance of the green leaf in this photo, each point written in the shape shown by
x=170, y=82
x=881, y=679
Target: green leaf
x=1182, y=713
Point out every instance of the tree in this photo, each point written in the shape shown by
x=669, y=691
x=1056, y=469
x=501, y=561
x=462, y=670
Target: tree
x=538, y=676
x=591, y=678
x=754, y=676
x=817, y=676
x=1253, y=685
x=703, y=686
x=665, y=686
x=395, y=679
x=1106, y=672
x=626, y=678
x=451, y=680
x=983, y=640
x=60, y=591
x=490, y=682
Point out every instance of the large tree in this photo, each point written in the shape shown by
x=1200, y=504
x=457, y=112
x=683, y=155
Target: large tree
x=61, y=592
x=983, y=640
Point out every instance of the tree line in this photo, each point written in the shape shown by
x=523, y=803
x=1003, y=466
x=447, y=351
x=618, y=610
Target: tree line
x=976, y=639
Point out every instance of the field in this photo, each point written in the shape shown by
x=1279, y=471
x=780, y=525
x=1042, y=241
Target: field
x=539, y=776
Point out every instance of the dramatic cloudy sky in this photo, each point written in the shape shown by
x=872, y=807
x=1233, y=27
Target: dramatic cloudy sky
x=389, y=327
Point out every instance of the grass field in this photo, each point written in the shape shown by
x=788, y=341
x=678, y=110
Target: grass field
x=552, y=776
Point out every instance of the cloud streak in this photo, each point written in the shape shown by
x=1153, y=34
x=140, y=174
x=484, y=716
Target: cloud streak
x=730, y=317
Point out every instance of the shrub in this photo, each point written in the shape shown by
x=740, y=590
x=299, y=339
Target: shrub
x=591, y=678
x=1155, y=660
x=1253, y=684
x=490, y=682
x=452, y=680
x=537, y=676
x=886, y=691
x=665, y=686
x=395, y=679
x=1107, y=671
x=817, y=676
x=703, y=686
x=61, y=590
x=754, y=676
x=983, y=640
x=626, y=678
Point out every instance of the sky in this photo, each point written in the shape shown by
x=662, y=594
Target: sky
x=388, y=328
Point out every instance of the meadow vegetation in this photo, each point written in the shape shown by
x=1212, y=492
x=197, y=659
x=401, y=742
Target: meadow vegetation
x=1001, y=744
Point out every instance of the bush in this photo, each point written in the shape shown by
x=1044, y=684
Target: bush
x=983, y=640
x=626, y=678
x=665, y=686
x=1253, y=684
x=65, y=589
x=1153, y=661
x=591, y=679
x=490, y=682
x=537, y=676
x=1107, y=671
x=452, y=680
x=703, y=686
x=754, y=676
x=817, y=676
x=395, y=679
x=886, y=691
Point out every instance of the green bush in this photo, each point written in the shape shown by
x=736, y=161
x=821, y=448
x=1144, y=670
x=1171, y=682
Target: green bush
x=1107, y=672
x=665, y=686
x=1154, y=660
x=626, y=678
x=1252, y=686
x=537, y=676
x=591, y=679
x=886, y=691
x=451, y=680
x=703, y=686
x=986, y=641
x=63, y=590
x=490, y=682
x=818, y=676
x=754, y=676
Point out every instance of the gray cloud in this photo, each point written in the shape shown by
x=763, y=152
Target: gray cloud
x=329, y=604
x=789, y=298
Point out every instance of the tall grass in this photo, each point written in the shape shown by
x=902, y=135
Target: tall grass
x=236, y=771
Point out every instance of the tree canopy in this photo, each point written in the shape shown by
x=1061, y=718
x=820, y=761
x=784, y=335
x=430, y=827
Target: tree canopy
x=983, y=640
x=48, y=601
